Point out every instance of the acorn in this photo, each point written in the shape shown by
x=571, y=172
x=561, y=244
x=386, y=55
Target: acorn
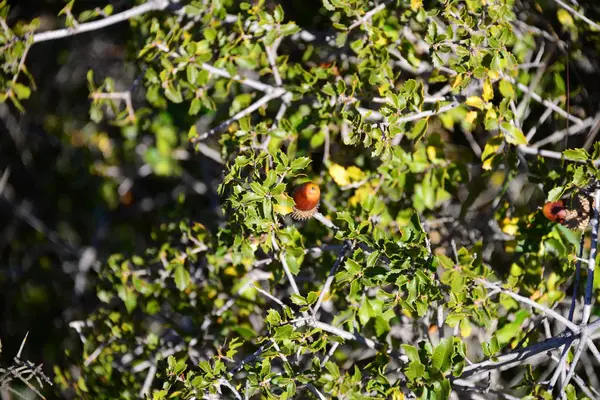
x=576, y=216
x=306, y=197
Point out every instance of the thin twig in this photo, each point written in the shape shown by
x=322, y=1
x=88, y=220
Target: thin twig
x=285, y=266
x=547, y=112
x=547, y=311
x=248, y=110
x=340, y=258
x=367, y=16
x=577, y=14
x=591, y=264
x=549, y=154
x=547, y=103
x=572, y=130
x=124, y=96
x=577, y=276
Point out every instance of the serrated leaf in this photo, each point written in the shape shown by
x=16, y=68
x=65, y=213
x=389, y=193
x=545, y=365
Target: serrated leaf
x=577, y=154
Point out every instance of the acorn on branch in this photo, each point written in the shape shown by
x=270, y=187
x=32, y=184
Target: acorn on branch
x=306, y=197
x=575, y=215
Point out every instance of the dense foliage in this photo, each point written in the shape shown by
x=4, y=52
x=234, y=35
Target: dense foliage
x=150, y=148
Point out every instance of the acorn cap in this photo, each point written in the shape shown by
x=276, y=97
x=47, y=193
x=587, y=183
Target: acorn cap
x=301, y=215
x=575, y=216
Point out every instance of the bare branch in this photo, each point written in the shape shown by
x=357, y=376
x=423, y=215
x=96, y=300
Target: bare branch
x=285, y=266
x=152, y=5
x=549, y=154
x=248, y=110
x=367, y=16
x=340, y=258
x=591, y=264
x=547, y=311
x=577, y=14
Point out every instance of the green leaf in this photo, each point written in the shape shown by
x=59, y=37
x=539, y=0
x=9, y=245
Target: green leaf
x=414, y=371
x=300, y=163
x=273, y=318
x=577, y=154
x=278, y=13
x=506, y=88
x=22, y=91
x=182, y=277
x=555, y=193
x=442, y=356
x=419, y=130
x=192, y=73
x=173, y=93
x=298, y=300
x=513, y=134
x=411, y=352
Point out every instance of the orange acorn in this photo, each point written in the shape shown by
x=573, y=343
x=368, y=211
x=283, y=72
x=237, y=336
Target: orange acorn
x=576, y=217
x=555, y=211
x=306, y=197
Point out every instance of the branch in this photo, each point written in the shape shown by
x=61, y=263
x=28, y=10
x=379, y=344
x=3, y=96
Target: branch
x=546, y=103
x=577, y=14
x=572, y=130
x=547, y=311
x=244, y=81
x=124, y=96
x=550, y=154
x=516, y=357
x=340, y=258
x=248, y=110
x=367, y=16
x=591, y=264
x=577, y=277
x=286, y=267
x=152, y=5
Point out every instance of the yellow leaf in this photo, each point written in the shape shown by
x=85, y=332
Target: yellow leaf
x=475, y=101
x=564, y=17
x=536, y=295
x=489, y=152
x=355, y=173
x=497, y=178
x=361, y=194
x=416, y=4
x=491, y=114
x=488, y=90
x=431, y=152
x=457, y=81
x=281, y=209
x=230, y=271
x=471, y=115
x=465, y=328
x=339, y=174
x=487, y=164
x=493, y=75
x=516, y=270
x=509, y=226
